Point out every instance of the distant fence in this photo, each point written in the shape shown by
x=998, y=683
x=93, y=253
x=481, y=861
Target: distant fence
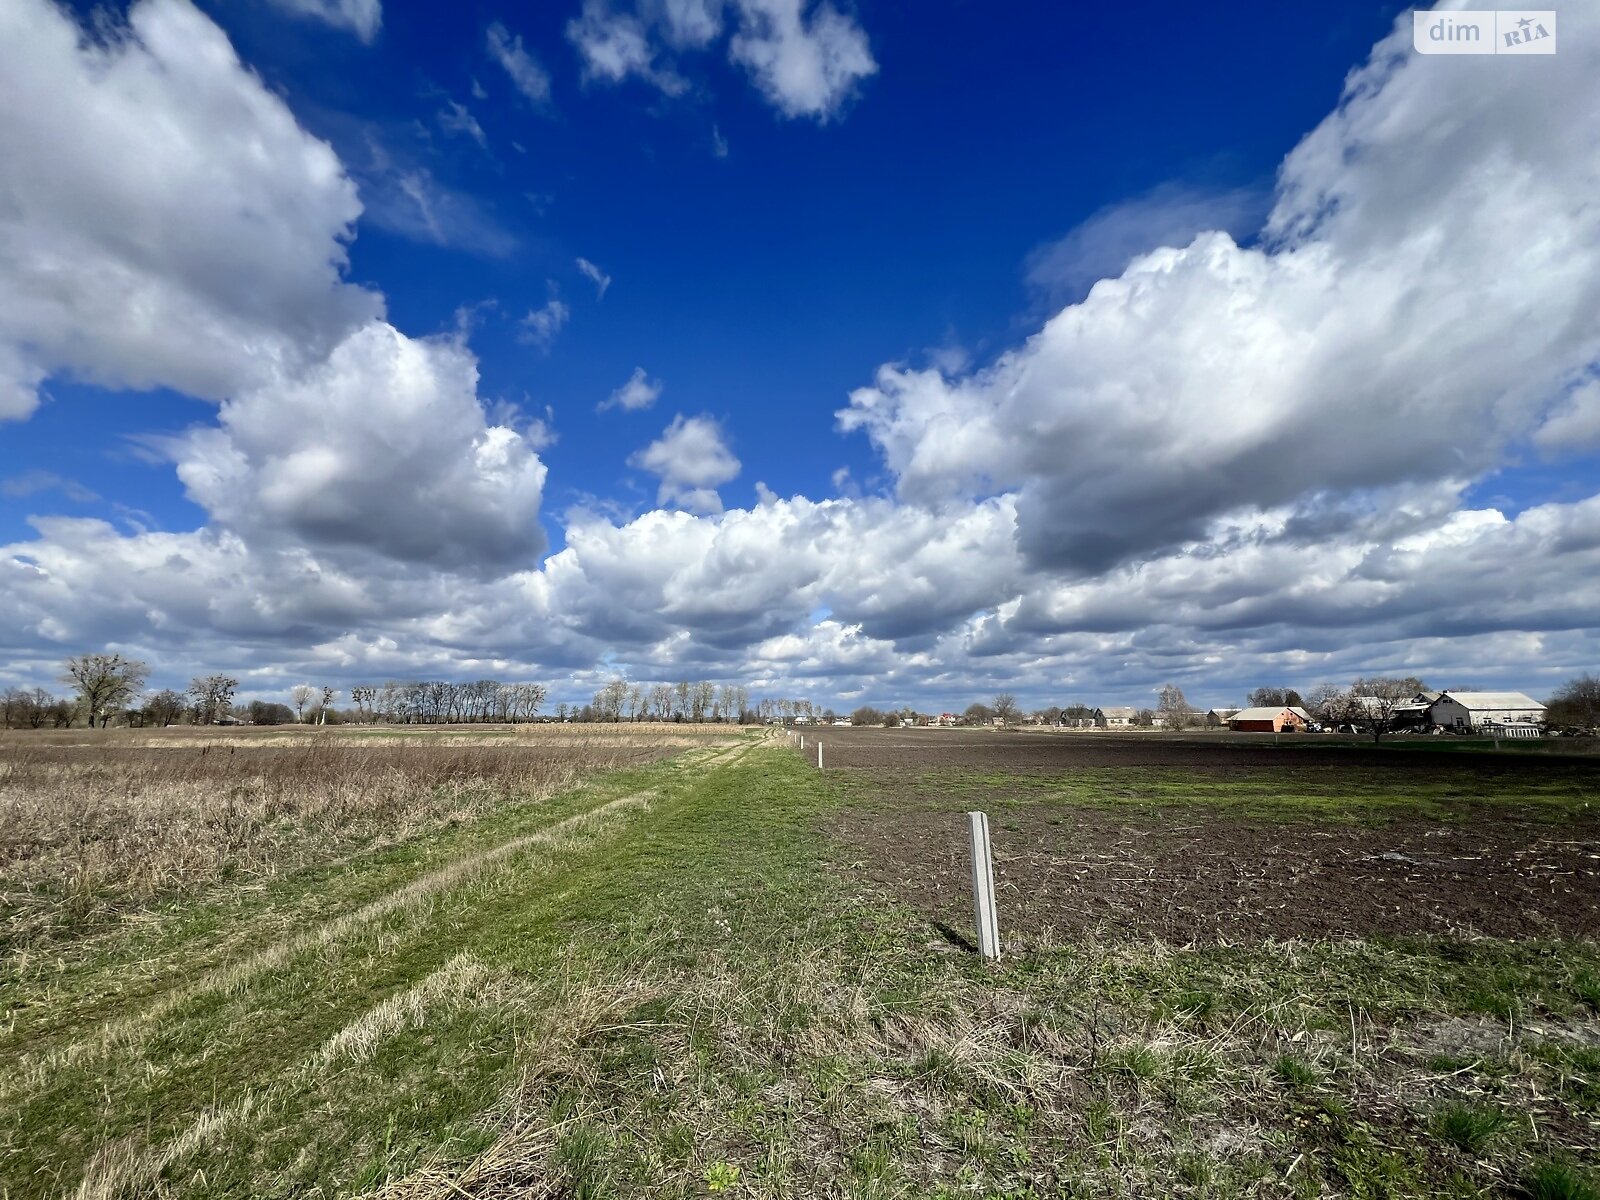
x=1511, y=731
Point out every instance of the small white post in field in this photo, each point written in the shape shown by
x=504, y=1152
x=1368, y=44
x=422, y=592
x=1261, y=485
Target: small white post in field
x=819, y=756
x=802, y=741
x=983, y=886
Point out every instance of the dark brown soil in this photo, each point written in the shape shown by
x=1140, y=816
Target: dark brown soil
x=1204, y=873
x=890, y=751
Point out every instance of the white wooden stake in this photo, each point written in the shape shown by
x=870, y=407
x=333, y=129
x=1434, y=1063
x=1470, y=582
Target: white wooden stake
x=819, y=756
x=802, y=741
x=983, y=886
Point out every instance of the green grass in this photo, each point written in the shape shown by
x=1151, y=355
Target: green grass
x=1363, y=791
x=1559, y=1181
x=1470, y=1127
x=682, y=997
x=1296, y=1072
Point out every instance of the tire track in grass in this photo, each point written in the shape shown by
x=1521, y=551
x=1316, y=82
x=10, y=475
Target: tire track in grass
x=153, y=1050
x=231, y=979
x=161, y=1077
x=126, y=1167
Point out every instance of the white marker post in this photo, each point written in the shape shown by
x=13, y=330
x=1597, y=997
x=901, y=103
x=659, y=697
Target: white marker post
x=983, y=886
x=819, y=756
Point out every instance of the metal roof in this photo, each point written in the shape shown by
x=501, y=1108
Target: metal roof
x=1477, y=701
x=1266, y=714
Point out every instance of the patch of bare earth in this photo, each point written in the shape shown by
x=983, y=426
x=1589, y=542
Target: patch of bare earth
x=1205, y=876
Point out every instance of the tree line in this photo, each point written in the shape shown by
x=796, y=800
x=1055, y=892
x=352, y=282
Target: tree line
x=108, y=687
x=620, y=700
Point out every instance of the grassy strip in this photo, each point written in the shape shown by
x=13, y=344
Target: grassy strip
x=1357, y=792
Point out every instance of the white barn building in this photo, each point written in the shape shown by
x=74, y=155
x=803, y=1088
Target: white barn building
x=1472, y=710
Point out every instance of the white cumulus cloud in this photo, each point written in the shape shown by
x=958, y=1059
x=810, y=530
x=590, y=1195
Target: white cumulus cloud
x=639, y=392
x=692, y=461
x=384, y=449
x=806, y=59
x=1366, y=343
x=615, y=45
x=164, y=221
x=807, y=65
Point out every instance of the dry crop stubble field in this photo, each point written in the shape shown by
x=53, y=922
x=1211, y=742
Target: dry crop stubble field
x=95, y=824
x=679, y=962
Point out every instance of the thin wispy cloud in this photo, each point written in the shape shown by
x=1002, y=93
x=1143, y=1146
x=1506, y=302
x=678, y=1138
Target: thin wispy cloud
x=32, y=483
x=541, y=325
x=596, y=276
x=524, y=71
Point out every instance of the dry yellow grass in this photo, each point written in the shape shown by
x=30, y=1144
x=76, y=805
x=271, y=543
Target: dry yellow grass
x=96, y=825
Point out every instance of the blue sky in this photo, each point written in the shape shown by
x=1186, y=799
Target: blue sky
x=886, y=444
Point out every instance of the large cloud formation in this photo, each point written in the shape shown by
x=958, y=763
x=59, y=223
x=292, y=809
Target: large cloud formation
x=1422, y=296
x=164, y=221
x=1229, y=464
x=382, y=449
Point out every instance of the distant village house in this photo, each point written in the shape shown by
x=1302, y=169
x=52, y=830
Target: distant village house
x=1273, y=719
x=1117, y=717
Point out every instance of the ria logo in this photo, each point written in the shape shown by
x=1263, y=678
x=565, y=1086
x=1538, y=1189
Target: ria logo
x=1484, y=31
x=1527, y=32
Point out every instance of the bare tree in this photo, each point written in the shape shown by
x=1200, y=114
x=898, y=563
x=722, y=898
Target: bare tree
x=212, y=697
x=104, y=683
x=25, y=708
x=1323, y=701
x=608, y=701
x=1173, y=707
x=661, y=700
x=1371, y=703
x=1267, y=697
x=1576, y=704
x=328, y=694
x=530, y=696
x=701, y=696
x=1005, y=707
x=302, y=695
x=163, y=708
x=40, y=702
